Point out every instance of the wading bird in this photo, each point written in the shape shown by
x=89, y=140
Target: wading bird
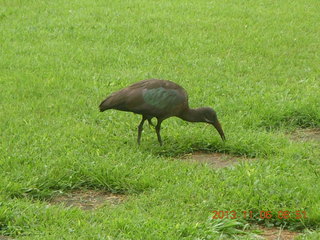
x=160, y=99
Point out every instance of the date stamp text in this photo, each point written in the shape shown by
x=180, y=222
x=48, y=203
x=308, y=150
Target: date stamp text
x=259, y=214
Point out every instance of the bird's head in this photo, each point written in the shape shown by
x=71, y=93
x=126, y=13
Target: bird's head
x=208, y=115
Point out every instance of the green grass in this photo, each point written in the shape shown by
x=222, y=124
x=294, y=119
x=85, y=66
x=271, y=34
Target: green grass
x=255, y=62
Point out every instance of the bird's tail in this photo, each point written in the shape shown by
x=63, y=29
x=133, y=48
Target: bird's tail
x=114, y=101
x=104, y=105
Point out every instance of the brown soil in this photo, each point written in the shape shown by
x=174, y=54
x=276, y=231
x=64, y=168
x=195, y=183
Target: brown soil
x=5, y=237
x=277, y=234
x=267, y=234
x=217, y=160
x=309, y=134
x=87, y=199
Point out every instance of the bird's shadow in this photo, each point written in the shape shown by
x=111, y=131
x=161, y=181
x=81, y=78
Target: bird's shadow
x=175, y=148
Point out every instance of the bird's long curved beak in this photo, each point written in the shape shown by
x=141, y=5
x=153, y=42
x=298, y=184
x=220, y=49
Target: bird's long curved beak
x=217, y=125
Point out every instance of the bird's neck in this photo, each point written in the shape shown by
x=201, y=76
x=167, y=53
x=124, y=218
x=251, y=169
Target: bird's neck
x=191, y=115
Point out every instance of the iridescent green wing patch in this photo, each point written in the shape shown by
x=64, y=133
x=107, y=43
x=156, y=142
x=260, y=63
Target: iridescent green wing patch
x=162, y=98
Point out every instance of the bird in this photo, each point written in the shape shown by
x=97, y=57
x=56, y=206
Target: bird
x=160, y=99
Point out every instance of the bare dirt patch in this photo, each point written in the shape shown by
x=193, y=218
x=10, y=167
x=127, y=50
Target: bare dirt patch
x=5, y=237
x=277, y=234
x=217, y=160
x=88, y=199
x=308, y=134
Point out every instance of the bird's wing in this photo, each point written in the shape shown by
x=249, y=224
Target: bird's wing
x=146, y=97
x=163, y=98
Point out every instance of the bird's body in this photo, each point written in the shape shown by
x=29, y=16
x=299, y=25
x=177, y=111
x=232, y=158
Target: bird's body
x=154, y=98
x=160, y=99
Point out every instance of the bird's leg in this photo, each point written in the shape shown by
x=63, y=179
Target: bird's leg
x=140, y=128
x=150, y=122
x=158, y=126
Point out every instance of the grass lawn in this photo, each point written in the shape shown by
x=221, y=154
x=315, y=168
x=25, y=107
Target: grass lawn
x=255, y=62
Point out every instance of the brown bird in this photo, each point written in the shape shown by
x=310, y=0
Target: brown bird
x=160, y=99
